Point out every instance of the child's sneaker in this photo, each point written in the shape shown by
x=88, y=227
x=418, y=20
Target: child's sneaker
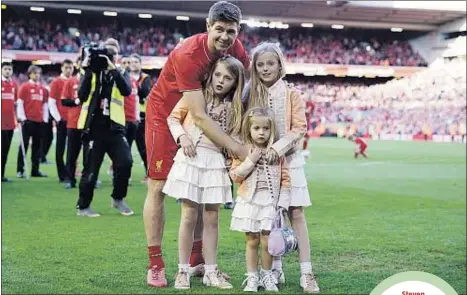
x=216, y=279
x=182, y=281
x=156, y=277
x=251, y=283
x=309, y=284
x=279, y=275
x=268, y=281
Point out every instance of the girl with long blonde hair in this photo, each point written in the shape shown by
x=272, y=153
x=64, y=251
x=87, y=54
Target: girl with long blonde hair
x=268, y=89
x=199, y=175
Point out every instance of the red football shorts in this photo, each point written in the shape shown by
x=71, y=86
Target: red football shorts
x=160, y=151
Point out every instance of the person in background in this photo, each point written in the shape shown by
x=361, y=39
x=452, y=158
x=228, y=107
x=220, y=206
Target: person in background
x=9, y=97
x=60, y=115
x=33, y=113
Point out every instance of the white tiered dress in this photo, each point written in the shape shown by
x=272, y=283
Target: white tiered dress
x=300, y=196
x=203, y=179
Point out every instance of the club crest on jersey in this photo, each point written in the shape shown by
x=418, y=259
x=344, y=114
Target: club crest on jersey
x=159, y=165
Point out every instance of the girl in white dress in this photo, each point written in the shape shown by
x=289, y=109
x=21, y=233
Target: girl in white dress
x=262, y=189
x=199, y=175
x=268, y=89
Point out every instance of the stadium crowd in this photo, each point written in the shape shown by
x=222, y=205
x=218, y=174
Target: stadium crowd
x=299, y=45
x=429, y=102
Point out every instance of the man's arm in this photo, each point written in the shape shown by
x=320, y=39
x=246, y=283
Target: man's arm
x=122, y=81
x=66, y=98
x=144, y=89
x=85, y=86
x=196, y=106
x=54, y=95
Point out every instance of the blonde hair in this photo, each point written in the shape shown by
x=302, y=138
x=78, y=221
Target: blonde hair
x=248, y=121
x=236, y=69
x=258, y=91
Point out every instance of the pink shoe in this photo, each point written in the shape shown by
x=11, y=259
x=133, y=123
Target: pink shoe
x=156, y=278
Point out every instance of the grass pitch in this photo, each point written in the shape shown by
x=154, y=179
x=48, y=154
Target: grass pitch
x=403, y=209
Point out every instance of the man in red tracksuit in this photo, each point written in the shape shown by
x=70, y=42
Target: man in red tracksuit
x=144, y=87
x=361, y=146
x=70, y=100
x=9, y=96
x=33, y=113
x=60, y=115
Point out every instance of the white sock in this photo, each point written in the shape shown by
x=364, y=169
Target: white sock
x=277, y=264
x=305, y=268
x=252, y=273
x=210, y=268
x=184, y=267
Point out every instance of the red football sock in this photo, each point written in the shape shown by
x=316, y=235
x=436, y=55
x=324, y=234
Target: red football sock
x=305, y=144
x=196, y=256
x=155, y=257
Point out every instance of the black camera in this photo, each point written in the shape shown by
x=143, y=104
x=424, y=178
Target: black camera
x=92, y=51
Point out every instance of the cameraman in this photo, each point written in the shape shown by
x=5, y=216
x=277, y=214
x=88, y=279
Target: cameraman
x=101, y=91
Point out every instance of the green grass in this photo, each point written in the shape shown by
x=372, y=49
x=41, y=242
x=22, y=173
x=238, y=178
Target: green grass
x=404, y=209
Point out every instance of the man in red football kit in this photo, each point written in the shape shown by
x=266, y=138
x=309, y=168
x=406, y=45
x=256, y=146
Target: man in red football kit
x=308, y=113
x=33, y=113
x=60, y=115
x=182, y=75
x=361, y=146
x=70, y=100
x=9, y=96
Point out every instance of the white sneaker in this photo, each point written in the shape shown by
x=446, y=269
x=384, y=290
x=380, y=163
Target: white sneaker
x=251, y=283
x=306, y=154
x=216, y=279
x=182, y=281
x=268, y=281
x=279, y=275
x=309, y=284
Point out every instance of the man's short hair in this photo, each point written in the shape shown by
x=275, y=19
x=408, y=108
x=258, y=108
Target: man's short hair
x=224, y=11
x=134, y=55
x=112, y=42
x=7, y=64
x=33, y=68
x=67, y=62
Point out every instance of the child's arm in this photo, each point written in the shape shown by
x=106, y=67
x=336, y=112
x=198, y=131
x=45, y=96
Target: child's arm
x=284, y=195
x=176, y=118
x=240, y=170
x=298, y=122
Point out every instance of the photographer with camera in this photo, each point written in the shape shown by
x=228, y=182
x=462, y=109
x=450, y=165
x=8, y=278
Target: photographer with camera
x=101, y=91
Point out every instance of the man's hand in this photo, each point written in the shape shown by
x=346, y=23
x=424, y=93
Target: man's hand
x=239, y=152
x=110, y=65
x=271, y=156
x=187, y=146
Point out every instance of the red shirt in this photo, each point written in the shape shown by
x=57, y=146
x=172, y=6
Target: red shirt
x=56, y=88
x=361, y=143
x=132, y=103
x=9, y=96
x=185, y=69
x=70, y=91
x=34, y=96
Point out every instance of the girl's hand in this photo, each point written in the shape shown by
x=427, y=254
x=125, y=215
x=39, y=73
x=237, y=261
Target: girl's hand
x=255, y=155
x=187, y=146
x=271, y=156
